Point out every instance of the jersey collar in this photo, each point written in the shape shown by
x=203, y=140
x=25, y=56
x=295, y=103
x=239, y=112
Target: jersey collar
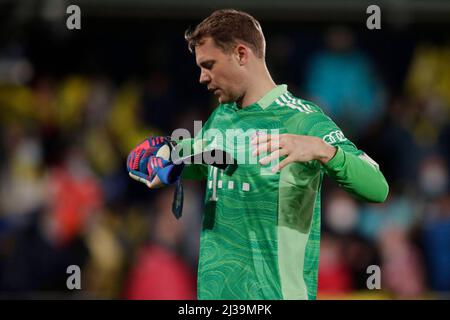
x=272, y=95
x=264, y=102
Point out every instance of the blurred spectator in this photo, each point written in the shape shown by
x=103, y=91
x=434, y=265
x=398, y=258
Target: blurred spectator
x=341, y=212
x=397, y=211
x=334, y=274
x=106, y=264
x=159, y=271
x=73, y=195
x=436, y=234
x=393, y=142
x=359, y=254
x=341, y=79
x=402, y=267
x=433, y=176
x=429, y=74
x=21, y=190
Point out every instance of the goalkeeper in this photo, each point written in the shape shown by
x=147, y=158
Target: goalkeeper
x=261, y=232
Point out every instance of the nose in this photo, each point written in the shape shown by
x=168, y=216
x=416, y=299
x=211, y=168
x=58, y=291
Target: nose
x=205, y=78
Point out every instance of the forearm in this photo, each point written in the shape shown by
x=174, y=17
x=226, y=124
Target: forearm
x=357, y=176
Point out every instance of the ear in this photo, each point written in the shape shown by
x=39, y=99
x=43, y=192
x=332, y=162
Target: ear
x=242, y=53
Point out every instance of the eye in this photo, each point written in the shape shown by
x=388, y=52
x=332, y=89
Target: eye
x=208, y=65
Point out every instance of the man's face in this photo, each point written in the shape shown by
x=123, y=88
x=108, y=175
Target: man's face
x=219, y=71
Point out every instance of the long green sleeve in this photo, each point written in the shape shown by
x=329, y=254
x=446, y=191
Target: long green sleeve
x=359, y=175
x=351, y=168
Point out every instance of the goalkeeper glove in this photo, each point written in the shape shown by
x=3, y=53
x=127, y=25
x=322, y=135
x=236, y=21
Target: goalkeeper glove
x=146, y=148
x=150, y=164
x=151, y=159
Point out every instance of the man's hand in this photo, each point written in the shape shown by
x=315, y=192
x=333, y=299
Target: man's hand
x=159, y=172
x=144, y=164
x=295, y=147
x=146, y=148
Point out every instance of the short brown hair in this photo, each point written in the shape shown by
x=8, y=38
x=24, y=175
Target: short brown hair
x=225, y=27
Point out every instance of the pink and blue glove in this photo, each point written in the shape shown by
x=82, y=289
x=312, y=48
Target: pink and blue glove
x=143, y=165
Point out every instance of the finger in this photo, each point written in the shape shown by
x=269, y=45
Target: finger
x=260, y=148
x=271, y=145
x=260, y=138
x=282, y=164
x=273, y=156
x=139, y=177
x=130, y=160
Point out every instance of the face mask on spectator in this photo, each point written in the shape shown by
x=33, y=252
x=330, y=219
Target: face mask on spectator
x=433, y=177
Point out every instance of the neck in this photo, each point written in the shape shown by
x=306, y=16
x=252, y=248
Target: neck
x=259, y=85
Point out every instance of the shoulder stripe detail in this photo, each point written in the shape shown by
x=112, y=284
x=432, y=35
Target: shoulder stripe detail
x=290, y=103
x=298, y=101
x=285, y=104
x=282, y=101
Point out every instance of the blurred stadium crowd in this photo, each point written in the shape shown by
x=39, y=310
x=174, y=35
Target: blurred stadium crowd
x=73, y=106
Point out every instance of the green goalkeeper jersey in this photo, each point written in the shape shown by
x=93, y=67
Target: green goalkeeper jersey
x=260, y=237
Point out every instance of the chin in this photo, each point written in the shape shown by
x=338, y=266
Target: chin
x=223, y=100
